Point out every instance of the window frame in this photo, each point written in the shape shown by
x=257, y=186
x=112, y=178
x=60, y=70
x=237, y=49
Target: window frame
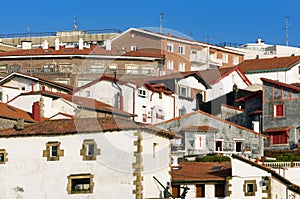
x=200, y=190
x=275, y=110
x=142, y=93
x=245, y=187
x=170, y=47
x=181, y=49
x=181, y=66
x=4, y=155
x=170, y=65
x=216, y=141
x=224, y=58
x=85, y=150
x=48, y=151
x=73, y=177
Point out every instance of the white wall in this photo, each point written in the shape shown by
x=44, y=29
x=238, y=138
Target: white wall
x=225, y=85
x=290, y=76
x=113, y=178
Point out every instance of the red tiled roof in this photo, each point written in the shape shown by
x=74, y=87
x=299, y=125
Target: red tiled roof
x=8, y=111
x=10, y=76
x=269, y=63
x=93, y=50
x=277, y=129
x=80, y=125
x=201, y=171
x=281, y=84
x=213, y=76
x=82, y=101
x=194, y=128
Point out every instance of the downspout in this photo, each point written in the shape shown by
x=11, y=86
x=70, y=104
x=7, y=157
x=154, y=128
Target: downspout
x=174, y=107
x=121, y=95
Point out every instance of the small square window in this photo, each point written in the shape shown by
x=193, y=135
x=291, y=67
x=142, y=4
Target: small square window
x=3, y=156
x=279, y=110
x=250, y=188
x=80, y=184
x=170, y=47
x=142, y=93
x=53, y=151
x=89, y=150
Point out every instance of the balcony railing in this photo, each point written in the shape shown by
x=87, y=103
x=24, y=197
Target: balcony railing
x=282, y=164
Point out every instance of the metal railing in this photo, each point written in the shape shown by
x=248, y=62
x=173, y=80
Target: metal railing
x=282, y=164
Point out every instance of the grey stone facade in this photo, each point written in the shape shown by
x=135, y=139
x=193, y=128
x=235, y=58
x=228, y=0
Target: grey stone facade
x=229, y=134
x=276, y=93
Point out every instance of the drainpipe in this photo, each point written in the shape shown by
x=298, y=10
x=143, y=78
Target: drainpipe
x=121, y=95
x=174, y=107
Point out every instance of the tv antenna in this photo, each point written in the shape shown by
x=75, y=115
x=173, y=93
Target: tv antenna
x=74, y=24
x=287, y=30
x=161, y=22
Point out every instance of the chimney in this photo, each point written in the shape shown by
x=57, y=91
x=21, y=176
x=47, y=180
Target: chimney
x=36, y=115
x=45, y=45
x=20, y=124
x=26, y=45
x=57, y=44
x=107, y=44
x=80, y=44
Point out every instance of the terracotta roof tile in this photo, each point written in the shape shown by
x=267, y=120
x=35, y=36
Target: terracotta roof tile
x=82, y=101
x=201, y=171
x=256, y=65
x=80, y=125
x=194, y=128
x=277, y=129
x=9, y=111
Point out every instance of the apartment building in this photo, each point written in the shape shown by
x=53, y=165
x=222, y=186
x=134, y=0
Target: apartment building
x=181, y=54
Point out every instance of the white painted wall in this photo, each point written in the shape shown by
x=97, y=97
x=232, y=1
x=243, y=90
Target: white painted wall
x=290, y=76
x=113, y=178
x=225, y=85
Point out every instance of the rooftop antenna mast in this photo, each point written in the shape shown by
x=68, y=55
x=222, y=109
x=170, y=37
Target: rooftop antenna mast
x=74, y=25
x=161, y=22
x=287, y=30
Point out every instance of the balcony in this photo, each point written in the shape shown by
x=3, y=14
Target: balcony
x=197, y=59
x=215, y=62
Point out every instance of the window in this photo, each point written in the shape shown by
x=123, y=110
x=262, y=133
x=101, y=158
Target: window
x=142, y=93
x=80, y=184
x=200, y=190
x=249, y=187
x=96, y=69
x=159, y=114
x=87, y=93
x=184, y=91
x=219, y=144
x=176, y=191
x=3, y=156
x=181, y=67
x=200, y=142
x=170, y=47
x=131, y=69
x=279, y=137
x=182, y=111
x=279, y=110
x=53, y=151
x=89, y=150
x=238, y=146
x=181, y=49
x=235, y=60
x=225, y=58
x=170, y=64
x=3, y=68
x=14, y=68
x=219, y=190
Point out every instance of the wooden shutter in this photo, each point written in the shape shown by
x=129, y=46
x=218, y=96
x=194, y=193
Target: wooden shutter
x=279, y=110
x=219, y=190
x=176, y=191
x=200, y=190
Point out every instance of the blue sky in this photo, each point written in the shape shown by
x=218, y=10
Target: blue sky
x=231, y=20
